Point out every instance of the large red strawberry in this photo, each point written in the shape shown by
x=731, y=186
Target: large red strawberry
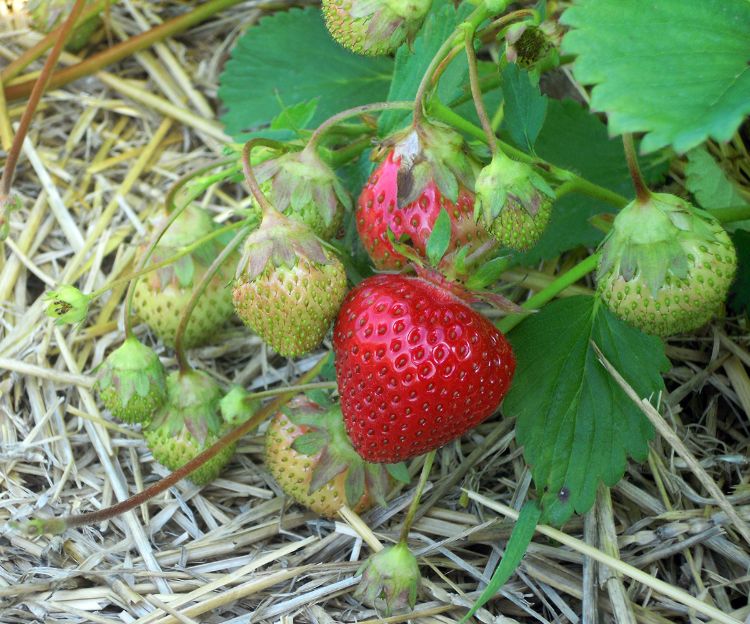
x=426, y=169
x=416, y=367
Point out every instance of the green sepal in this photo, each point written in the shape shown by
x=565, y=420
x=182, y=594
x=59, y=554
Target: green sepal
x=310, y=443
x=399, y=472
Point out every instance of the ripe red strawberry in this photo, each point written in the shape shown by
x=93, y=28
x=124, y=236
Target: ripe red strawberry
x=161, y=296
x=416, y=367
x=311, y=458
x=374, y=27
x=426, y=170
x=288, y=288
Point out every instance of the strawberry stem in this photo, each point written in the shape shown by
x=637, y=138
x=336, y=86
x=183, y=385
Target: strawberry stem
x=67, y=522
x=321, y=385
x=426, y=468
x=198, y=292
x=551, y=291
x=641, y=189
x=353, y=112
x=40, y=84
x=476, y=93
x=247, y=168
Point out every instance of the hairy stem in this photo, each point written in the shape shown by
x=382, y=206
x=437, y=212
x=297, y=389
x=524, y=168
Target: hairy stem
x=426, y=468
x=192, y=465
x=122, y=50
x=551, y=291
x=320, y=385
x=731, y=213
x=250, y=179
x=39, y=85
x=198, y=293
x=641, y=190
x=476, y=93
x=353, y=112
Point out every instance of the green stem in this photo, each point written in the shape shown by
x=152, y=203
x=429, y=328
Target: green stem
x=476, y=93
x=198, y=293
x=641, y=189
x=321, y=385
x=122, y=50
x=39, y=85
x=551, y=291
x=426, y=468
x=337, y=158
x=186, y=470
x=571, y=180
x=250, y=179
x=205, y=182
x=354, y=112
x=171, y=260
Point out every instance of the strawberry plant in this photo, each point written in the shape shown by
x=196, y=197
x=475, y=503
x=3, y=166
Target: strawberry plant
x=420, y=156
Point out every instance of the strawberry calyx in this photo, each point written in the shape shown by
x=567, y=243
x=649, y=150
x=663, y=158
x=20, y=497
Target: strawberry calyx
x=301, y=185
x=514, y=202
x=131, y=382
x=324, y=435
x=430, y=151
x=390, y=580
x=192, y=403
x=280, y=242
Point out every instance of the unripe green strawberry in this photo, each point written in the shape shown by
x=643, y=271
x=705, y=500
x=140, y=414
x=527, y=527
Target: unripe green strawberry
x=49, y=14
x=514, y=201
x=288, y=288
x=309, y=455
x=666, y=266
x=374, y=27
x=390, y=580
x=161, y=296
x=131, y=382
x=188, y=424
x=304, y=188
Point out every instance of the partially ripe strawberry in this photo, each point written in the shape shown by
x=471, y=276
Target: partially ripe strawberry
x=131, y=382
x=416, y=367
x=188, y=424
x=161, y=296
x=374, y=27
x=427, y=168
x=514, y=202
x=304, y=188
x=666, y=266
x=311, y=458
x=288, y=288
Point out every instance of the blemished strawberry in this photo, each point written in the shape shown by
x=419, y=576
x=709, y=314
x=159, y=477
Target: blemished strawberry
x=416, y=367
x=666, y=266
x=288, y=288
x=427, y=168
x=374, y=27
x=309, y=455
x=514, y=202
x=189, y=423
x=131, y=382
x=161, y=296
x=304, y=188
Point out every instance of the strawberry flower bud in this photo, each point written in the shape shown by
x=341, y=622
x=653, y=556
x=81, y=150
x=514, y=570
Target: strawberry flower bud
x=514, y=201
x=67, y=304
x=390, y=580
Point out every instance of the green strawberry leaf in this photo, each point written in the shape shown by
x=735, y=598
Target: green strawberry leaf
x=399, y=472
x=739, y=294
x=488, y=273
x=310, y=443
x=312, y=65
x=575, y=139
x=525, y=107
x=411, y=64
x=575, y=423
x=296, y=117
x=519, y=541
x=440, y=238
x=675, y=70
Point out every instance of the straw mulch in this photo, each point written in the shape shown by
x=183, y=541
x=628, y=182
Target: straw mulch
x=102, y=154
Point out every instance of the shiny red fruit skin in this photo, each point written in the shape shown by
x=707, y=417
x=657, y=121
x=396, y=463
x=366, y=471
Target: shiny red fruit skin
x=416, y=367
x=377, y=210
